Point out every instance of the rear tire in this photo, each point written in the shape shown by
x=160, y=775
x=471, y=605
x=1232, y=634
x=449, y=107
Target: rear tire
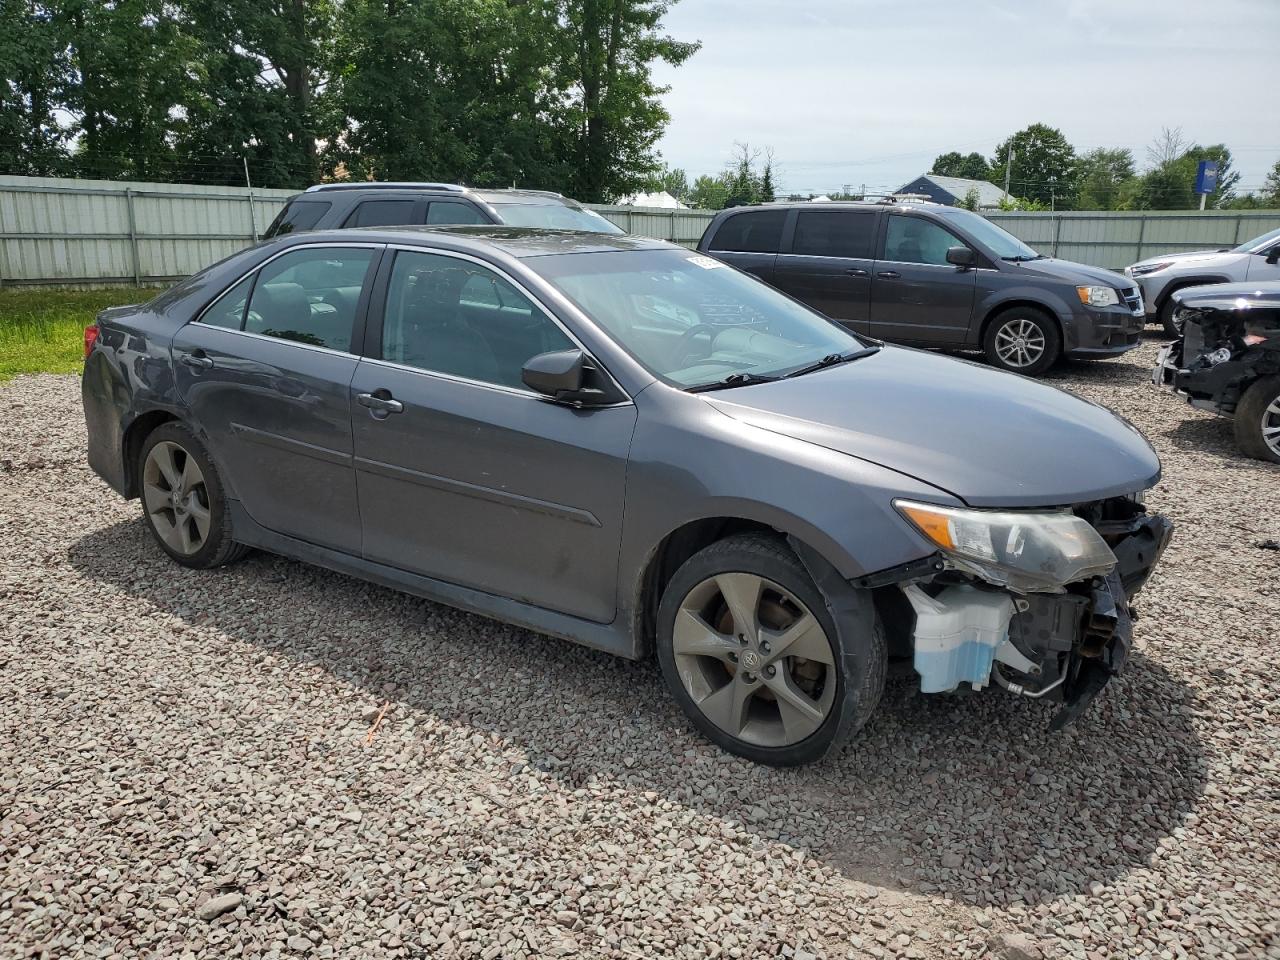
x=1257, y=420
x=1022, y=340
x=725, y=620
x=183, y=502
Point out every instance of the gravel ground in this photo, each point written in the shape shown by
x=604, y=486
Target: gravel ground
x=185, y=766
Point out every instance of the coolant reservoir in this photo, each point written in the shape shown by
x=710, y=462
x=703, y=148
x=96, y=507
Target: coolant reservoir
x=957, y=634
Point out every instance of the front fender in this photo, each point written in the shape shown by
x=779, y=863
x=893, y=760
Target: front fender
x=1026, y=295
x=839, y=505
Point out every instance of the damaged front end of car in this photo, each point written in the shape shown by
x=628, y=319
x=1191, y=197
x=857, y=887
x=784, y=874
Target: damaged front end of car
x=1036, y=602
x=1225, y=348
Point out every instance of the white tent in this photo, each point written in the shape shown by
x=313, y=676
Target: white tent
x=660, y=199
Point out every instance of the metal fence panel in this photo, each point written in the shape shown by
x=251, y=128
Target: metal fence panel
x=96, y=232
x=1117, y=239
x=56, y=231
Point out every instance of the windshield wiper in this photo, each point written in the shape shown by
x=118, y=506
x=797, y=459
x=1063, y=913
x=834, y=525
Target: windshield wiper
x=831, y=359
x=1022, y=258
x=732, y=380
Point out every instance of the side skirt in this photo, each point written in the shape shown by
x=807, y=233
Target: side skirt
x=611, y=638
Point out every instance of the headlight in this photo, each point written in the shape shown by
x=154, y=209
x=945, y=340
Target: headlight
x=1098, y=296
x=1142, y=269
x=1026, y=552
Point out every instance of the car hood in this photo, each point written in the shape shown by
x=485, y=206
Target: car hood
x=1075, y=272
x=1188, y=258
x=992, y=439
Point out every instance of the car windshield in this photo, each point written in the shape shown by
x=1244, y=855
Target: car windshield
x=1000, y=242
x=1258, y=244
x=693, y=321
x=553, y=216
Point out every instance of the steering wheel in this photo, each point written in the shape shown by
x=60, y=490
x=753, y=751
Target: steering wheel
x=683, y=351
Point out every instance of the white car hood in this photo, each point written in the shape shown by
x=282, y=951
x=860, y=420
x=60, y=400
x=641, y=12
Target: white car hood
x=1220, y=257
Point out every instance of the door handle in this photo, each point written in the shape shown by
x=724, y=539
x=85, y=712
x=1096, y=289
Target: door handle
x=857, y=272
x=889, y=275
x=197, y=360
x=378, y=405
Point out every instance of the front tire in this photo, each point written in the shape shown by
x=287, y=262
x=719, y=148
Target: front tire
x=749, y=650
x=1257, y=420
x=1022, y=340
x=183, y=502
x=1171, y=326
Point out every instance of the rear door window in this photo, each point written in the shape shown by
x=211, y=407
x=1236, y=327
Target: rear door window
x=298, y=215
x=452, y=211
x=834, y=233
x=757, y=232
x=309, y=296
x=383, y=213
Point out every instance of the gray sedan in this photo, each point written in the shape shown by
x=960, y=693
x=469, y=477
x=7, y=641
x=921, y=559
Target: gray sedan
x=638, y=448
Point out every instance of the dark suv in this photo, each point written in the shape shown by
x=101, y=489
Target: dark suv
x=332, y=205
x=932, y=276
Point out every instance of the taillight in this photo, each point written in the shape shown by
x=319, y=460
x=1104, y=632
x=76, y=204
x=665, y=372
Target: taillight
x=90, y=338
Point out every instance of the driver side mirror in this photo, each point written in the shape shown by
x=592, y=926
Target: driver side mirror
x=566, y=376
x=1273, y=255
x=961, y=257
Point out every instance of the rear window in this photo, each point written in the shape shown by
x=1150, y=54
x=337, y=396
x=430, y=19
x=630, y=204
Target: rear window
x=756, y=232
x=298, y=215
x=382, y=213
x=834, y=233
x=453, y=211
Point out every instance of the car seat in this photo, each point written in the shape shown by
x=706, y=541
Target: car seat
x=434, y=335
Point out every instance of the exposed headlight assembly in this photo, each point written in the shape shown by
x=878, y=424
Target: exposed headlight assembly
x=1098, y=296
x=1142, y=269
x=1025, y=552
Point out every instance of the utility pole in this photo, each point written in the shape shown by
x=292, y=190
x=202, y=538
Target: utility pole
x=253, y=216
x=1008, y=169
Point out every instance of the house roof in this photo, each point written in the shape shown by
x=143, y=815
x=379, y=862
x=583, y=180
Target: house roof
x=989, y=195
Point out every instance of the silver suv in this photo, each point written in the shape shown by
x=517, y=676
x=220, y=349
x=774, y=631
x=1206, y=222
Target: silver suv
x=1159, y=277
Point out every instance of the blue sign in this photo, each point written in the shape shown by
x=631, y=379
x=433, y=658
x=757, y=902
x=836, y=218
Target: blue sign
x=1207, y=176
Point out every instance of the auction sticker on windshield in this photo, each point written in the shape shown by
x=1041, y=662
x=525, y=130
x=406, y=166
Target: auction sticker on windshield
x=706, y=263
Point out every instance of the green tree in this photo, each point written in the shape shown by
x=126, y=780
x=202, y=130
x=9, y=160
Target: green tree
x=33, y=74
x=971, y=199
x=971, y=166
x=765, y=189
x=1106, y=179
x=1044, y=166
x=674, y=181
x=1170, y=185
x=127, y=81
x=710, y=193
x=271, y=58
x=603, y=52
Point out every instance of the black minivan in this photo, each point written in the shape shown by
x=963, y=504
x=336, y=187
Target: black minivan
x=932, y=276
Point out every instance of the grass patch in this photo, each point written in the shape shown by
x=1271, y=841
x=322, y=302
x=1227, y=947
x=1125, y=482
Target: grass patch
x=42, y=331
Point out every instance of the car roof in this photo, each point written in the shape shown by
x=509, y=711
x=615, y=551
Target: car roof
x=518, y=242
x=915, y=206
x=487, y=195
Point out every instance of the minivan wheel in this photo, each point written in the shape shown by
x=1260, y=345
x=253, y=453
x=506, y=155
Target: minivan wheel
x=183, y=501
x=749, y=651
x=1022, y=340
x=1257, y=420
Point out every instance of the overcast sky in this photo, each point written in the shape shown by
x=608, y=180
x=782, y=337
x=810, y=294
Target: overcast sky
x=860, y=91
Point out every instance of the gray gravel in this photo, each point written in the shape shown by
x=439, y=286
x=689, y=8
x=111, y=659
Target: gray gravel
x=184, y=768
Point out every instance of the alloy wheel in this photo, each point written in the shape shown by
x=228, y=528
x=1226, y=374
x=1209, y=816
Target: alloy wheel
x=754, y=659
x=1271, y=426
x=1020, y=342
x=176, y=499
